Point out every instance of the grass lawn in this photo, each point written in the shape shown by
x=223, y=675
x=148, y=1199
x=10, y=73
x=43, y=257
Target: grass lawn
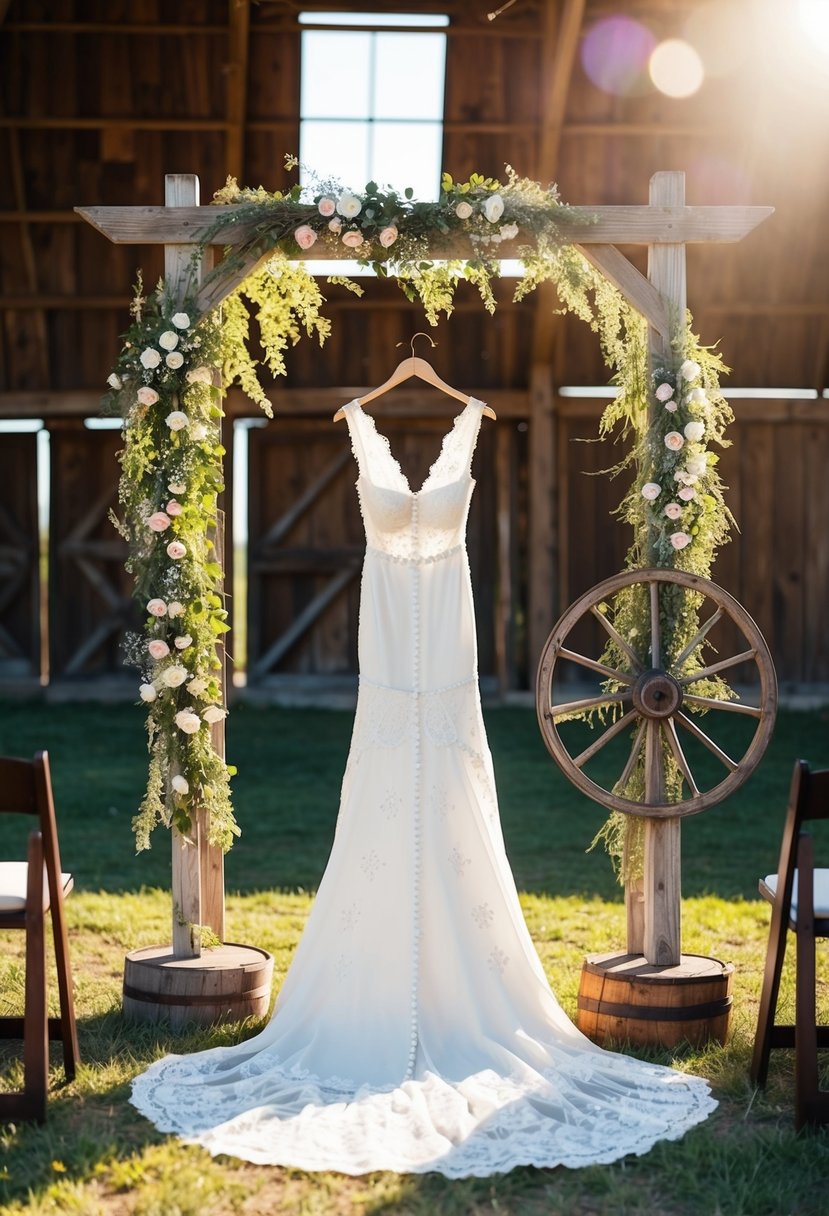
x=95, y=1154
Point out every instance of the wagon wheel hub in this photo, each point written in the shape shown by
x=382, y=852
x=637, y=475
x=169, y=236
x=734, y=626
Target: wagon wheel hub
x=656, y=694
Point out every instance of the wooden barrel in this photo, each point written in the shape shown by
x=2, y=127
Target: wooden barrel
x=624, y=999
x=225, y=984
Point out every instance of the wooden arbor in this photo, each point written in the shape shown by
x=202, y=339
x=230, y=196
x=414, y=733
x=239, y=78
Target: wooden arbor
x=665, y=225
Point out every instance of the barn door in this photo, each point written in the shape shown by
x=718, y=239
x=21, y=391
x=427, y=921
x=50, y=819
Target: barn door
x=19, y=583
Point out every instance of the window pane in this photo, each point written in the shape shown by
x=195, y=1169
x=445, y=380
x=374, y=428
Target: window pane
x=426, y=19
x=410, y=70
x=336, y=149
x=408, y=154
x=336, y=74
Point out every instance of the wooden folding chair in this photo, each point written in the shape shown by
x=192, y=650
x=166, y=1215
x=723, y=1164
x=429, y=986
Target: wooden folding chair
x=26, y=788
x=799, y=895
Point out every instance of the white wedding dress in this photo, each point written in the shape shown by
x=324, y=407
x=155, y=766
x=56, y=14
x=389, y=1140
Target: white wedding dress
x=415, y=1029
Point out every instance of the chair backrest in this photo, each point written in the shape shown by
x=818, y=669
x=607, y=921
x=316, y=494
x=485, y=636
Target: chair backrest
x=808, y=799
x=26, y=789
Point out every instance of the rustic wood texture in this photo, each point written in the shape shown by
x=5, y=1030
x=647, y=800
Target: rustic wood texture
x=227, y=983
x=625, y=999
x=19, y=582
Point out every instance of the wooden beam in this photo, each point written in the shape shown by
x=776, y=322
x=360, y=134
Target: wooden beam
x=40, y=217
x=60, y=122
x=122, y=29
x=237, y=86
x=543, y=494
x=623, y=225
x=28, y=254
x=633, y=285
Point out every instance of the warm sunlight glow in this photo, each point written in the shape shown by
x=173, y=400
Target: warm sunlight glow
x=814, y=21
x=614, y=55
x=676, y=68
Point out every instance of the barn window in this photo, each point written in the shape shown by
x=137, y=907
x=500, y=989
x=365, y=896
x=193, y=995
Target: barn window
x=371, y=104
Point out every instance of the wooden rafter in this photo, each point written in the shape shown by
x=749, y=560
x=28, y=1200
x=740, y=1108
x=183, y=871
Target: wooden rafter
x=237, y=86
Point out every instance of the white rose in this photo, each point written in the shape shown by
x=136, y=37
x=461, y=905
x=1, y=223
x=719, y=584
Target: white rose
x=180, y=320
x=197, y=686
x=198, y=432
x=697, y=396
x=349, y=205
x=168, y=340
x=493, y=208
x=147, y=692
x=697, y=465
x=175, y=609
x=183, y=642
x=686, y=493
x=199, y=375
x=176, y=487
x=509, y=232
x=174, y=677
x=214, y=713
x=694, y=431
x=177, y=421
x=690, y=370
x=463, y=210
x=114, y=381
x=335, y=225
x=664, y=391
x=651, y=490
x=150, y=358
x=180, y=785
x=174, y=360
x=188, y=721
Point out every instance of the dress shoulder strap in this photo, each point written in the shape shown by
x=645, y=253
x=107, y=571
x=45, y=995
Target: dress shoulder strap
x=353, y=416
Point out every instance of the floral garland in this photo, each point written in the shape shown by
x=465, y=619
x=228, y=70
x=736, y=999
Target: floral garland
x=172, y=371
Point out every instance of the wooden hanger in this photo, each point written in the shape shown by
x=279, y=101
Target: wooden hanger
x=415, y=366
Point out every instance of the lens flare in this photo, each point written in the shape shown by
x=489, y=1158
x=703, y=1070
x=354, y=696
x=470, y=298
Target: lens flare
x=615, y=54
x=814, y=21
x=676, y=68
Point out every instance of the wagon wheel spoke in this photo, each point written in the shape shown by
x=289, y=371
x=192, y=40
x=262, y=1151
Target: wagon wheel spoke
x=616, y=637
x=732, y=707
x=571, y=707
x=610, y=672
x=697, y=638
x=656, y=647
x=694, y=730
x=744, y=657
x=679, y=755
x=654, y=774
x=611, y=733
x=633, y=757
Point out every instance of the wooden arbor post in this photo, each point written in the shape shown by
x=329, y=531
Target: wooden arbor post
x=665, y=225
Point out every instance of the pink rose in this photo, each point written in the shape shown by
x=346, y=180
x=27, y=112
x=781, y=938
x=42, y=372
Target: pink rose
x=388, y=236
x=175, y=609
x=335, y=225
x=147, y=396
x=664, y=392
x=305, y=236
x=651, y=490
x=687, y=493
x=670, y=406
x=680, y=539
x=158, y=649
x=176, y=549
x=326, y=206
x=174, y=508
x=157, y=608
x=673, y=510
x=159, y=521
x=674, y=441
x=352, y=239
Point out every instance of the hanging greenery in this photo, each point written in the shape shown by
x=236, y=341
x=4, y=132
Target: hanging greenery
x=175, y=366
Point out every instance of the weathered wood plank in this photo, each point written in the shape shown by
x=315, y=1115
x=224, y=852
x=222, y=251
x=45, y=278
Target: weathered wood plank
x=543, y=510
x=624, y=225
x=633, y=285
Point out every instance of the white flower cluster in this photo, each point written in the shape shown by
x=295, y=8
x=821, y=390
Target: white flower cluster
x=690, y=441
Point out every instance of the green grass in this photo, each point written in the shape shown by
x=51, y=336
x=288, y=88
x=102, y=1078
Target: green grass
x=95, y=1154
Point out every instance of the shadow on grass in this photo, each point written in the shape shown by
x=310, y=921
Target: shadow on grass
x=287, y=807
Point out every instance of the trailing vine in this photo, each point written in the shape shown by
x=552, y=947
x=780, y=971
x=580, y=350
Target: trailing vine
x=175, y=366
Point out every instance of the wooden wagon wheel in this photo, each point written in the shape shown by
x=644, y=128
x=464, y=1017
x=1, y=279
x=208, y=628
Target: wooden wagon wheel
x=651, y=697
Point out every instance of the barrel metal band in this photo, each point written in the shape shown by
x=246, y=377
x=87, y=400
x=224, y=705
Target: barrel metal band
x=201, y=998
x=654, y=1013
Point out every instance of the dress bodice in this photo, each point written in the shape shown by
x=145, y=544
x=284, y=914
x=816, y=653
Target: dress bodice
x=407, y=525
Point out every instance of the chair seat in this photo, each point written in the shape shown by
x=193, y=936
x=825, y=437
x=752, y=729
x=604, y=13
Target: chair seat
x=13, y=880
x=768, y=889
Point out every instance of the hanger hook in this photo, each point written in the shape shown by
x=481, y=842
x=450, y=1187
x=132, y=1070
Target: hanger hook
x=421, y=334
